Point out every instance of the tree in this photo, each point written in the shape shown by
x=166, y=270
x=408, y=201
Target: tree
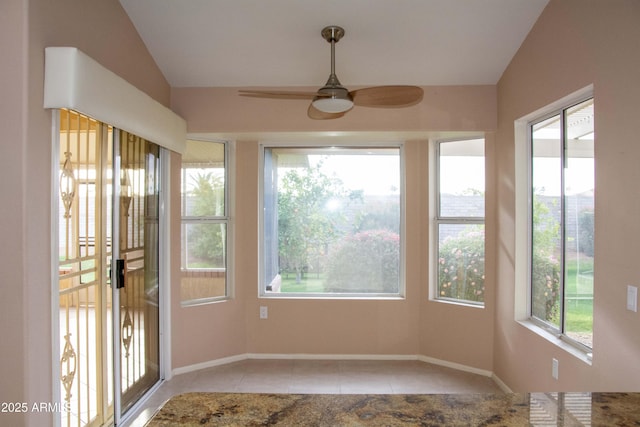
x=306, y=224
x=378, y=215
x=368, y=261
x=207, y=241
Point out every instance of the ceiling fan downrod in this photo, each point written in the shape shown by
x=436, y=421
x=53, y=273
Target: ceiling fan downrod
x=333, y=34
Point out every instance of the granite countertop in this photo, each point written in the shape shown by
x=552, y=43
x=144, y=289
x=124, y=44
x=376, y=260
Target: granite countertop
x=530, y=409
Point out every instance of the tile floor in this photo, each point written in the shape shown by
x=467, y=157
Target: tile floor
x=319, y=376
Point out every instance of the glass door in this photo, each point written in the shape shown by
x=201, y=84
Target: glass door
x=135, y=287
x=108, y=289
x=84, y=246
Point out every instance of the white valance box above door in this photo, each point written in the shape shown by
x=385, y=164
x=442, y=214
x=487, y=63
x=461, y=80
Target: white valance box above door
x=75, y=81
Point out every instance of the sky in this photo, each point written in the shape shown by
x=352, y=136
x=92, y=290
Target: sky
x=376, y=174
x=380, y=174
x=579, y=176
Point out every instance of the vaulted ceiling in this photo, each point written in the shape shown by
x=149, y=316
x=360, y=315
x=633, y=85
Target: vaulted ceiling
x=260, y=43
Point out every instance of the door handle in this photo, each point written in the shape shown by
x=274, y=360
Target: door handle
x=120, y=273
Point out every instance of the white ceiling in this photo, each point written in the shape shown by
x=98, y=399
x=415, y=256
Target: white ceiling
x=255, y=43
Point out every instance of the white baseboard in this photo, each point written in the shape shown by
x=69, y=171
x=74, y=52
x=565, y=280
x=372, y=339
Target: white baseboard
x=501, y=384
x=457, y=366
x=305, y=356
x=209, y=364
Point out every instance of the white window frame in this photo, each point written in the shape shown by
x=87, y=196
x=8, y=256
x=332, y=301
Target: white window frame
x=438, y=220
x=262, y=287
x=522, y=226
x=560, y=109
x=225, y=219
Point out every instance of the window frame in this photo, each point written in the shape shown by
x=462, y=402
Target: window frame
x=224, y=219
x=439, y=220
x=350, y=145
x=559, y=109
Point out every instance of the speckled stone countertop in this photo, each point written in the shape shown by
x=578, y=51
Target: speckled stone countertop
x=534, y=409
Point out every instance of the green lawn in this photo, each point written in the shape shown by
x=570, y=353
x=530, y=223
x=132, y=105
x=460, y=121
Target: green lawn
x=579, y=316
x=310, y=283
x=579, y=296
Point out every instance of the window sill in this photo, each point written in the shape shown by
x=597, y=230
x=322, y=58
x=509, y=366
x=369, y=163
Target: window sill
x=204, y=301
x=458, y=303
x=359, y=297
x=554, y=339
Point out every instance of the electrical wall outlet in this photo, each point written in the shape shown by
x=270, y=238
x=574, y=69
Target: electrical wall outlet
x=632, y=298
x=554, y=368
x=264, y=312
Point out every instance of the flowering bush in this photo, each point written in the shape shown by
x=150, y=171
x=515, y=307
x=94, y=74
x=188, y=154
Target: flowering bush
x=461, y=266
x=365, y=262
x=545, y=266
x=545, y=277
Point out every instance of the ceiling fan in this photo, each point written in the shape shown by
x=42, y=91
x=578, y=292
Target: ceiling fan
x=334, y=100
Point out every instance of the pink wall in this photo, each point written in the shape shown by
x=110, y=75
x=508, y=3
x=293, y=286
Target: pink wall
x=574, y=44
x=104, y=32
x=411, y=326
x=12, y=123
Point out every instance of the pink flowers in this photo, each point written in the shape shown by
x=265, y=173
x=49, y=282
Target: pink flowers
x=461, y=266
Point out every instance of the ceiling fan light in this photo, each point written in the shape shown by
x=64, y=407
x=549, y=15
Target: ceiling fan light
x=332, y=105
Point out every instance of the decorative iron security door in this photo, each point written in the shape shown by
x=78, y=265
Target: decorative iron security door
x=102, y=278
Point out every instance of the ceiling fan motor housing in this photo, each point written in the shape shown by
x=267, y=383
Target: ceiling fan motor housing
x=334, y=89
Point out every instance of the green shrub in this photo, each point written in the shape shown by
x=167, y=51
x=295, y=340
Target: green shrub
x=365, y=262
x=585, y=230
x=545, y=266
x=546, y=281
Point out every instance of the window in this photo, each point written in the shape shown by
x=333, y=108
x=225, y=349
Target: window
x=331, y=222
x=205, y=222
x=459, y=221
x=562, y=222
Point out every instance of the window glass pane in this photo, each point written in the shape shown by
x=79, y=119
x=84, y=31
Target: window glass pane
x=203, y=175
x=332, y=220
x=461, y=262
x=461, y=178
x=579, y=223
x=204, y=245
x=204, y=264
x=204, y=222
x=563, y=188
x=546, y=171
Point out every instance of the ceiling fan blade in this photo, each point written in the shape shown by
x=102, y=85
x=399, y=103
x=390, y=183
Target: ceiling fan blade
x=316, y=114
x=387, y=96
x=279, y=94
